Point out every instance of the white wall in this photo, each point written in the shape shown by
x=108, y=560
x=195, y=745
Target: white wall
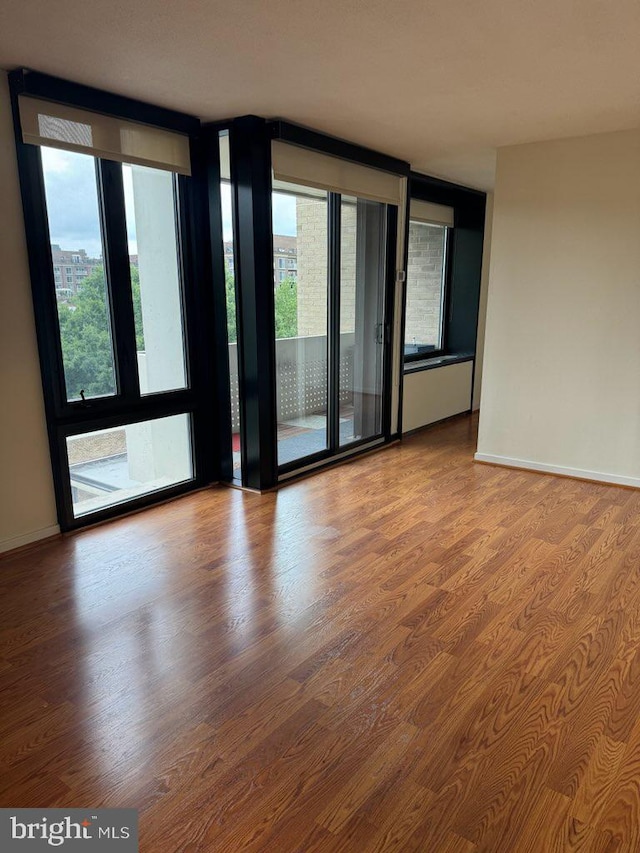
x=27, y=506
x=482, y=307
x=561, y=377
x=434, y=394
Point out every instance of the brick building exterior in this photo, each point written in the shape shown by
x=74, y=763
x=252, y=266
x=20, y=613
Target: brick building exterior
x=424, y=284
x=424, y=273
x=311, y=220
x=70, y=268
x=304, y=258
x=285, y=258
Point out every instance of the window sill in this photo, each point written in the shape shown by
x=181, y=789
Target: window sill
x=437, y=361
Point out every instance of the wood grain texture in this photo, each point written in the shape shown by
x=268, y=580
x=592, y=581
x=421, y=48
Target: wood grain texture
x=410, y=652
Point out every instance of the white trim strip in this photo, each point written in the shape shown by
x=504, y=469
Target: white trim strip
x=559, y=470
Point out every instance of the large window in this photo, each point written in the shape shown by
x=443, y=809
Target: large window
x=84, y=313
x=123, y=411
x=426, y=293
x=425, y=289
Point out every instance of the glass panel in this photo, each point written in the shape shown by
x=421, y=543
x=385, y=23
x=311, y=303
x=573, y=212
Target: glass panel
x=112, y=466
x=300, y=262
x=425, y=288
x=230, y=290
x=362, y=275
x=155, y=278
x=78, y=269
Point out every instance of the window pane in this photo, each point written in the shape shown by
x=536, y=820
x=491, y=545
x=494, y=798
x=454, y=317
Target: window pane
x=112, y=466
x=155, y=278
x=230, y=290
x=362, y=287
x=77, y=254
x=301, y=294
x=425, y=288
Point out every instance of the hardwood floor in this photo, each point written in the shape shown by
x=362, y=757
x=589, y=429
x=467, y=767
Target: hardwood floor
x=411, y=652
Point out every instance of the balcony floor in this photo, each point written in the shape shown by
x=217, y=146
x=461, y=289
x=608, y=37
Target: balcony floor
x=304, y=436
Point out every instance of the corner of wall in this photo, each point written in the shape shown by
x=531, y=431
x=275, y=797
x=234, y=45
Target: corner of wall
x=482, y=309
x=26, y=486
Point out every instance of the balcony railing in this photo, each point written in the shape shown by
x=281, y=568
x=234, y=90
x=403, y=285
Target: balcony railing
x=100, y=463
x=301, y=370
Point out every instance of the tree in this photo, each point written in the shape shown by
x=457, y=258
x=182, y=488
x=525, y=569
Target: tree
x=286, y=303
x=85, y=330
x=230, y=292
x=85, y=334
x=286, y=308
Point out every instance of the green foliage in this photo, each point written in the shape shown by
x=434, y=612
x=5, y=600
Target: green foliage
x=86, y=339
x=286, y=299
x=230, y=291
x=286, y=308
x=137, y=308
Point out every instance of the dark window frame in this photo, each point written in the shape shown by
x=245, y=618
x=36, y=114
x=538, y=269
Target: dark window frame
x=66, y=418
x=306, y=138
x=203, y=264
x=462, y=271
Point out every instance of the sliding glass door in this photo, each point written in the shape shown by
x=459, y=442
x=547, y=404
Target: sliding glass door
x=329, y=267
x=363, y=227
x=301, y=299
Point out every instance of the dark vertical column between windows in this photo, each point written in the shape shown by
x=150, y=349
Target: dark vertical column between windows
x=389, y=313
x=447, y=306
x=333, y=337
x=403, y=308
x=205, y=352
x=250, y=146
x=117, y=274
x=465, y=286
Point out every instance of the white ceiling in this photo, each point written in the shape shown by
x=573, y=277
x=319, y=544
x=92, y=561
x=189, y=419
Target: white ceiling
x=441, y=84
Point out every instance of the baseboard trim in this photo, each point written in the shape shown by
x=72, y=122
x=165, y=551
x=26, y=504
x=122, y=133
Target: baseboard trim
x=559, y=470
x=16, y=543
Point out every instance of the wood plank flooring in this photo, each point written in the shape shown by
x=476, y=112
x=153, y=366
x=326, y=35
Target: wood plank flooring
x=411, y=652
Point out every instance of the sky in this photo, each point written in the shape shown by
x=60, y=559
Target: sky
x=72, y=200
x=72, y=204
x=283, y=212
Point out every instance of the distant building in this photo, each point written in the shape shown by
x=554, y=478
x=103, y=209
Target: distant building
x=70, y=268
x=285, y=258
x=229, y=263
